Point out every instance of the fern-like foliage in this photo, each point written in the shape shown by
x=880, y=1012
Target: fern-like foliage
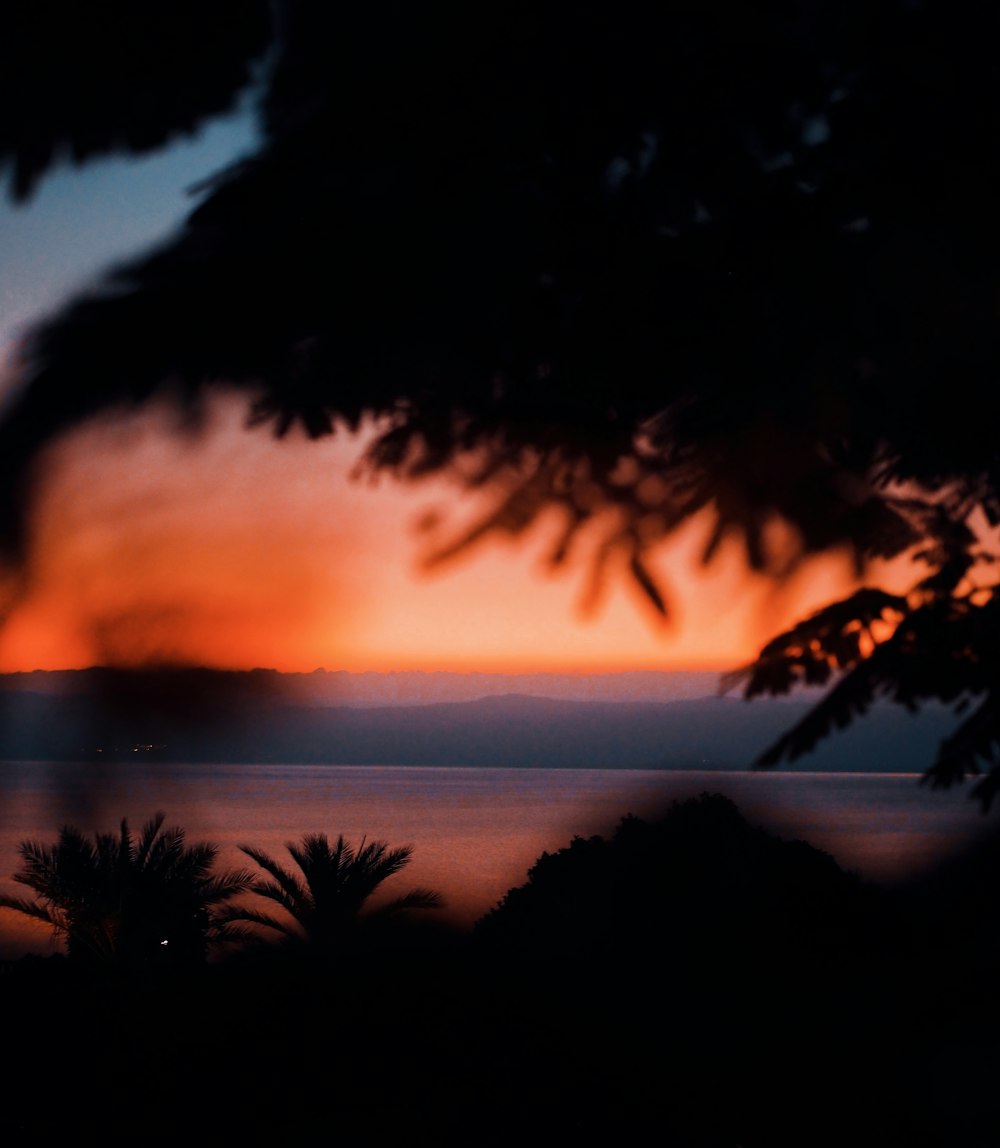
x=937, y=643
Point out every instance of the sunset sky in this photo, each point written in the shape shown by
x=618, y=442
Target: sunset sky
x=238, y=550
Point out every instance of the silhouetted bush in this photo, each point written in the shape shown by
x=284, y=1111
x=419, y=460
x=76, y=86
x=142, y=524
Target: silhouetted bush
x=699, y=884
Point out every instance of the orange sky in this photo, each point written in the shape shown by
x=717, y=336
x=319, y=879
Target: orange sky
x=239, y=550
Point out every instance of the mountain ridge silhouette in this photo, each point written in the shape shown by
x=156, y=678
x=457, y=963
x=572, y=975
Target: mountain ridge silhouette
x=210, y=716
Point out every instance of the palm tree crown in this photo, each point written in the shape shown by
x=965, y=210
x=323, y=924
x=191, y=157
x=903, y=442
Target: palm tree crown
x=324, y=899
x=127, y=901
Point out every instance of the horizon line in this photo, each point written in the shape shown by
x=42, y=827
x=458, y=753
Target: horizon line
x=166, y=666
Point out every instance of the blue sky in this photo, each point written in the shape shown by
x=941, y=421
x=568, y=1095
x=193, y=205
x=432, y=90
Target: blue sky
x=85, y=219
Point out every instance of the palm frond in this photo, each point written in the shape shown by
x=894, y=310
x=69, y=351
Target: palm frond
x=231, y=934
x=336, y=882
x=415, y=899
x=289, y=885
x=227, y=885
x=147, y=838
x=234, y=915
x=33, y=909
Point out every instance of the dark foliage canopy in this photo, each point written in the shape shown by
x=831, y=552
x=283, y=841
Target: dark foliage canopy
x=628, y=261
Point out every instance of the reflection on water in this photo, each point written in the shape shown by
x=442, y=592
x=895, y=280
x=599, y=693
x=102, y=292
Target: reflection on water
x=475, y=831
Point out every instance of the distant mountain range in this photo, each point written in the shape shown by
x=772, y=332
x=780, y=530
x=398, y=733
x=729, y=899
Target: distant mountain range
x=612, y=721
x=341, y=688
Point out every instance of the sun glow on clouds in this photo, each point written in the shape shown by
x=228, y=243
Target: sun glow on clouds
x=235, y=549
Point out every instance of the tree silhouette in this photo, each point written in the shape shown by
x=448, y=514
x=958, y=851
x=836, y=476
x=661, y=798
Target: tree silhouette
x=323, y=901
x=633, y=263
x=128, y=903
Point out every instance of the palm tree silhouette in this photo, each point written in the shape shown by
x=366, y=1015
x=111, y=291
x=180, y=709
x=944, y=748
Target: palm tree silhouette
x=124, y=902
x=323, y=901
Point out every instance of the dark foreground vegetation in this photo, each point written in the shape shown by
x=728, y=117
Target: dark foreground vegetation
x=692, y=979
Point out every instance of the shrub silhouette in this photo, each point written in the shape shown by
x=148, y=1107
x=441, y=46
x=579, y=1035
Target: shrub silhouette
x=692, y=887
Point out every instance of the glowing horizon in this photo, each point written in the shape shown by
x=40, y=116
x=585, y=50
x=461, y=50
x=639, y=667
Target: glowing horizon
x=239, y=551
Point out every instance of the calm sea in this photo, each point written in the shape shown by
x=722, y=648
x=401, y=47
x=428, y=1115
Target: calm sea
x=475, y=832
